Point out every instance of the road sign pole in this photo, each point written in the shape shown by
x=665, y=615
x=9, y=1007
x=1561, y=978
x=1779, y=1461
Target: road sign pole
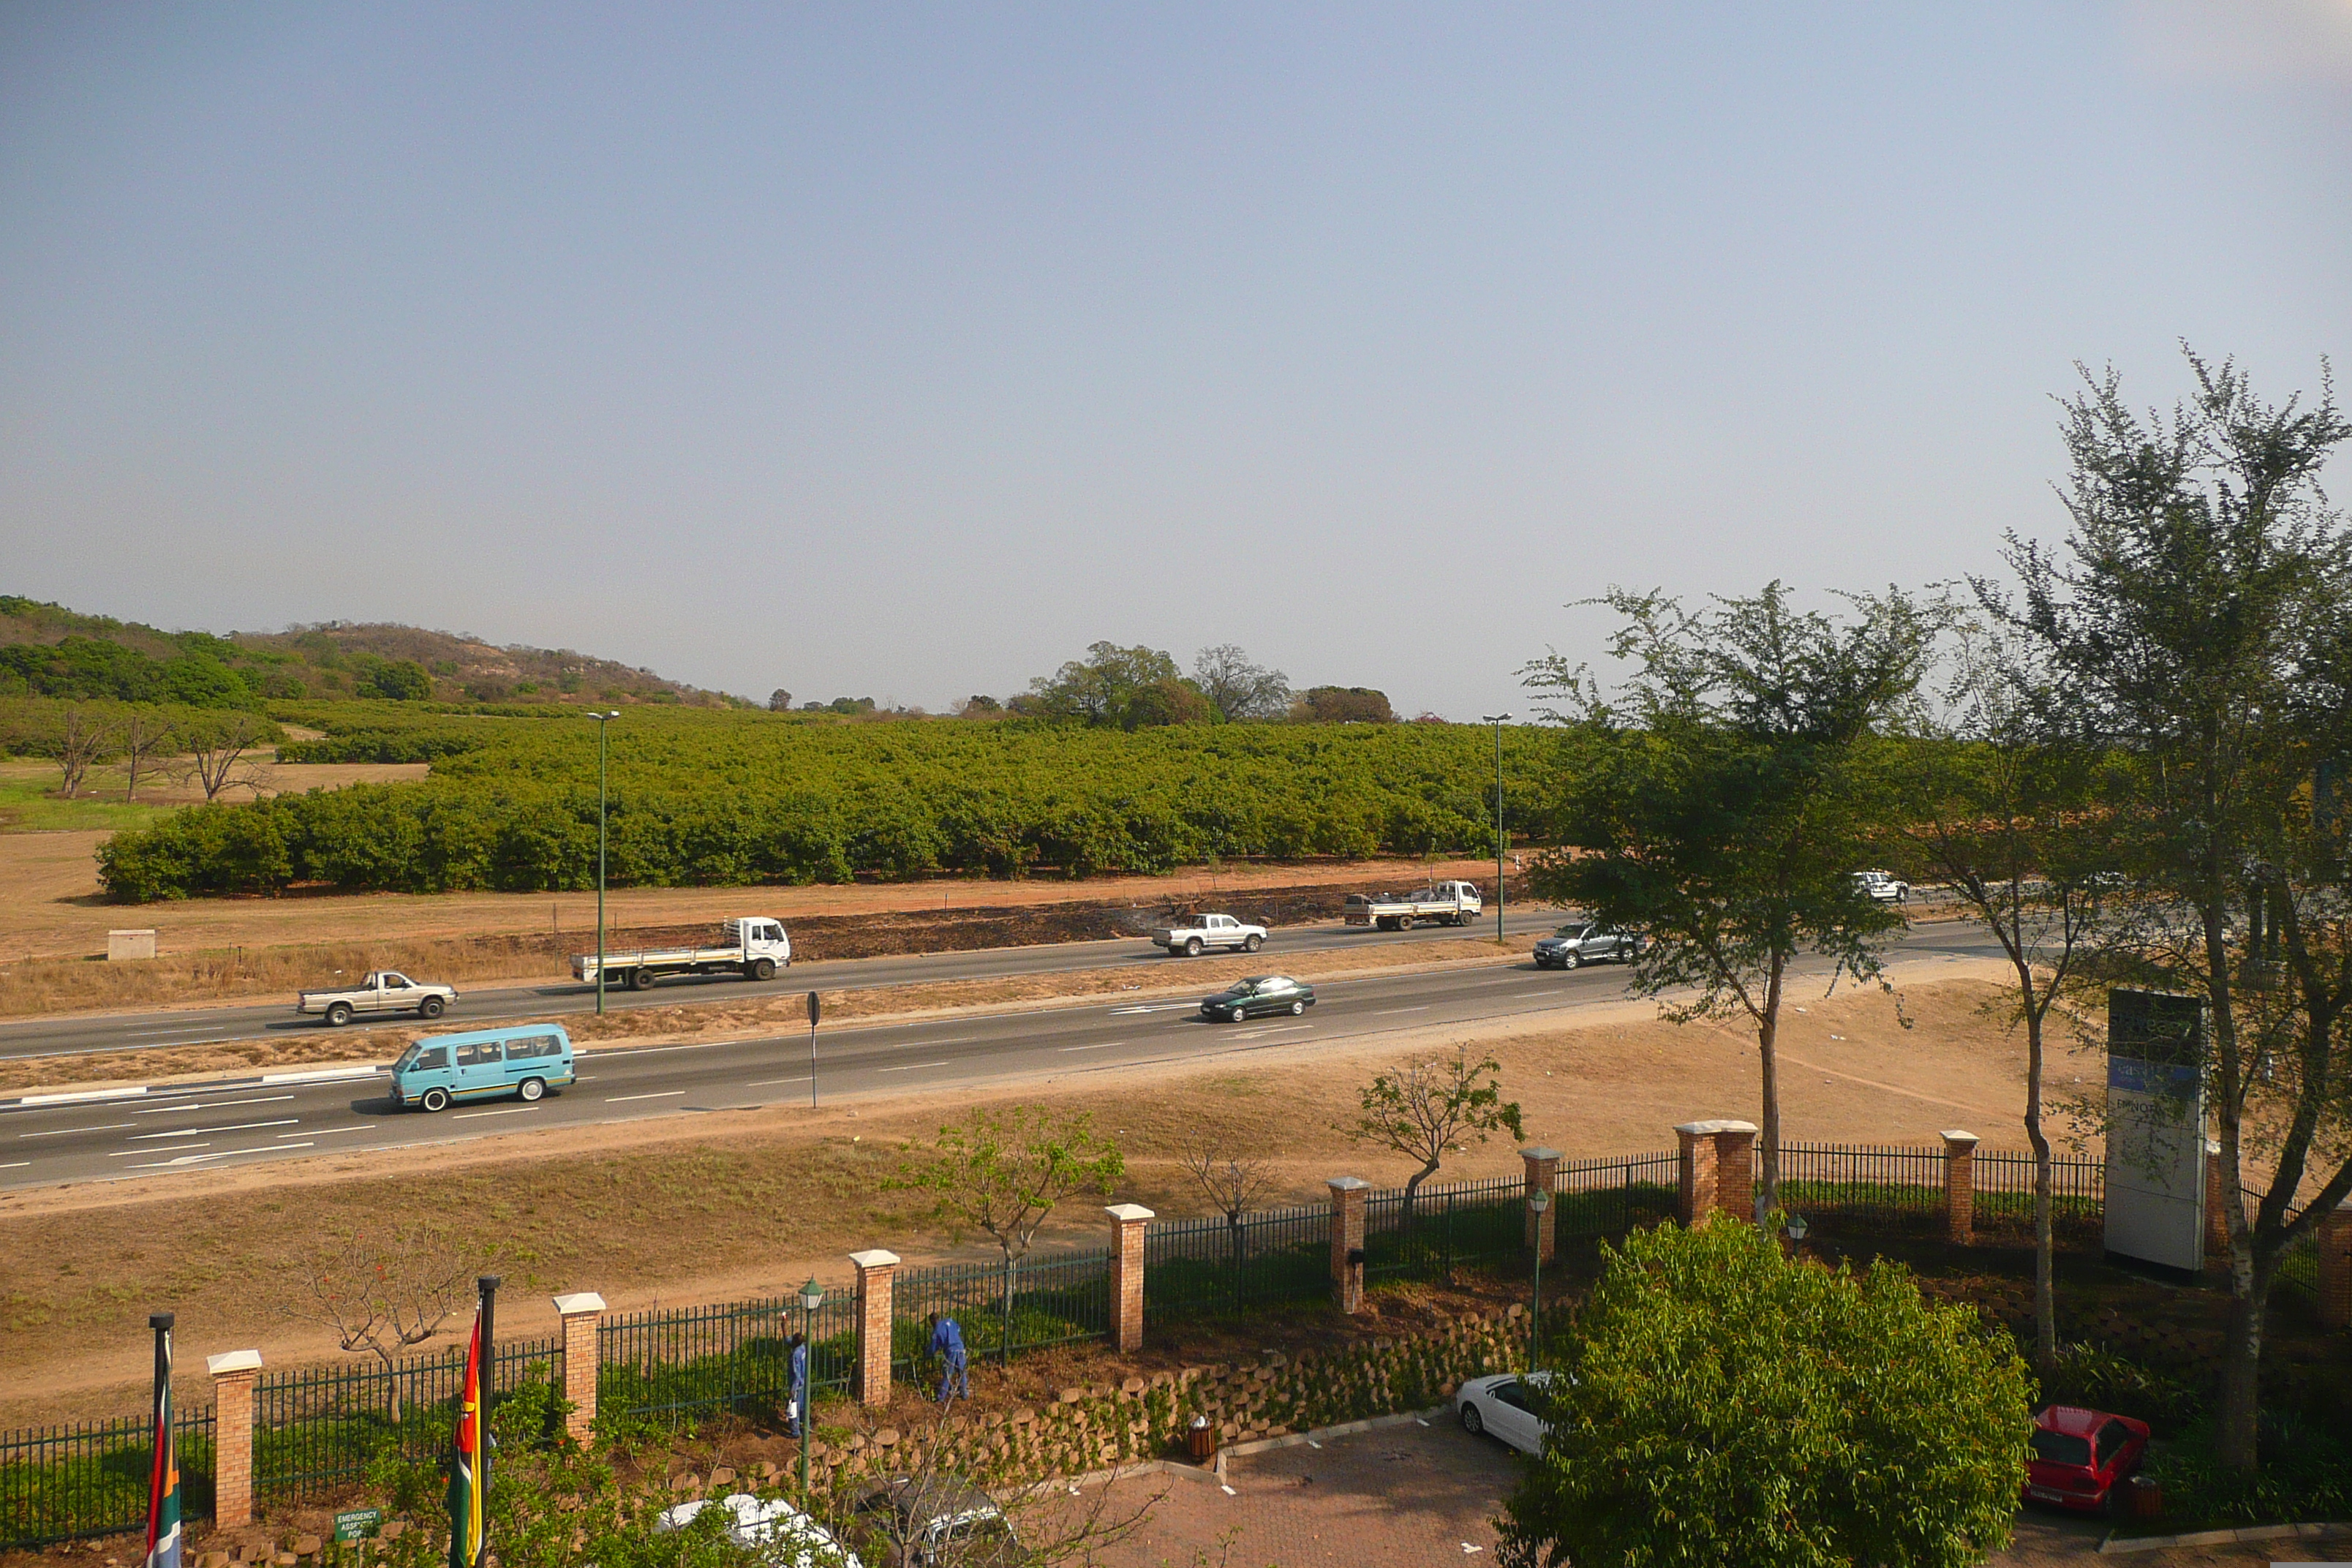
x=813, y=1013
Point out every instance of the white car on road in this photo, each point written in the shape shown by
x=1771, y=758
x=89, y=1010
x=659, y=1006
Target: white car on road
x=1501, y=1405
x=1885, y=886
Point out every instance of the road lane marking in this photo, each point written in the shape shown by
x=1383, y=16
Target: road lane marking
x=510, y=1110
x=212, y=1104
x=186, y=1160
x=911, y=1067
x=237, y=1127
x=1104, y=1047
x=16, y=1165
x=330, y=1131
x=665, y=1094
x=128, y=1154
x=61, y=1132
x=1161, y=1007
x=1392, y=1012
x=80, y=1094
x=767, y=1082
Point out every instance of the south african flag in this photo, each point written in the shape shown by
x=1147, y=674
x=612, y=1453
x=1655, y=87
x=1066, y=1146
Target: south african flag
x=469, y=1466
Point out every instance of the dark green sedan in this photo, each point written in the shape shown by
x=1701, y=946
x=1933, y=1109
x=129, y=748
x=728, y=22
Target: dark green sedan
x=1259, y=994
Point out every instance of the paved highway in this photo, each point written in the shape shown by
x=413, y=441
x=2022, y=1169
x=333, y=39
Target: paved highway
x=119, y=1135
x=84, y=1034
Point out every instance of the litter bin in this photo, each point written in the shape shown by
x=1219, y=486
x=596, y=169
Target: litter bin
x=2146, y=1498
x=1201, y=1439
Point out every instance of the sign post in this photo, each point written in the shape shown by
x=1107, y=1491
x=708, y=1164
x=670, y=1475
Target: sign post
x=813, y=1009
x=358, y=1523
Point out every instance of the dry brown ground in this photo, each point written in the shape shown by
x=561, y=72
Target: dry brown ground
x=679, y=1210
x=719, y=1018
x=51, y=904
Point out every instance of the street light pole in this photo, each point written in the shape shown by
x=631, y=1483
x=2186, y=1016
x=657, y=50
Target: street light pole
x=1537, y=1201
x=1498, y=720
x=812, y=1297
x=601, y=719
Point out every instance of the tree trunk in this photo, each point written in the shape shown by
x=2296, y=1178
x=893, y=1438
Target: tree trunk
x=1005, y=1337
x=2045, y=1286
x=2241, y=1362
x=1234, y=1235
x=1768, y=1034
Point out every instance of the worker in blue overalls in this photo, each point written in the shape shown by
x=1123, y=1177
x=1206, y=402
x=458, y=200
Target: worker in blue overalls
x=947, y=1347
x=800, y=1386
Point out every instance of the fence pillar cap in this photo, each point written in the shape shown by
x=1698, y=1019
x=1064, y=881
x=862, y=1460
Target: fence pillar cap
x=579, y=1302
x=1539, y=1153
x=228, y=1362
x=874, y=1258
x=1959, y=1135
x=1347, y=1184
x=1703, y=1128
x=1128, y=1214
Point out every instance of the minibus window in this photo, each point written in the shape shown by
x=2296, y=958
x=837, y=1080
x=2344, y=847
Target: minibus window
x=428, y=1058
x=481, y=1055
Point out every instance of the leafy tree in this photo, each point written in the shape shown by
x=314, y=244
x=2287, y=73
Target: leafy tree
x=980, y=705
x=1428, y=1108
x=2011, y=820
x=397, y=680
x=1165, y=702
x=1240, y=689
x=1722, y=1404
x=2197, y=623
x=1115, y=687
x=1724, y=800
x=1002, y=1174
x=1343, y=705
x=779, y=701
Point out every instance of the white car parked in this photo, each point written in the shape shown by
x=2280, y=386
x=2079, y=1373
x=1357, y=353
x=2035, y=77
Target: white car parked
x=1885, y=886
x=777, y=1532
x=1500, y=1405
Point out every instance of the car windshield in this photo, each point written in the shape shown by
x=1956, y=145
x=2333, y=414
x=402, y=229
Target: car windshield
x=407, y=1059
x=2062, y=1449
x=1569, y=931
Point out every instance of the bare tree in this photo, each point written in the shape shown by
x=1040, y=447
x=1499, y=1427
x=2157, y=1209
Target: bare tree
x=1232, y=1180
x=1431, y=1107
x=84, y=739
x=1240, y=689
x=218, y=755
x=381, y=1290
x=145, y=736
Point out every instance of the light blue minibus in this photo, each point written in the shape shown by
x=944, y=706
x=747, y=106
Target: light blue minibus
x=526, y=1061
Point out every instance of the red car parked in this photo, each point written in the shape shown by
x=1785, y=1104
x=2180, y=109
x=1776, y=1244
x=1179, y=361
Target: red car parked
x=2080, y=1455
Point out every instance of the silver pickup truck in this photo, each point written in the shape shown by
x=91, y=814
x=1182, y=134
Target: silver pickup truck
x=384, y=991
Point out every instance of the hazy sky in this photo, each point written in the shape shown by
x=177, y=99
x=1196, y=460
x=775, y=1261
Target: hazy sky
x=902, y=353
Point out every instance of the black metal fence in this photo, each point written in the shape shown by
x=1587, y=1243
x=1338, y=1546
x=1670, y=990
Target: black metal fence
x=62, y=1483
x=672, y=1364
x=1430, y=1234
x=1216, y=1268
x=2004, y=1179
x=1609, y=1197
x=1053, y=1300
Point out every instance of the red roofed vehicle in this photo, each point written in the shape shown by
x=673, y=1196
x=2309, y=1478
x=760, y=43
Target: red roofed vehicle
x=2080, y=1455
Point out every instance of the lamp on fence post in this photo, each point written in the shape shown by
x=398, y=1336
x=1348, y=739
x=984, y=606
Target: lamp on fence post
x=1795, y=1230
x=1537, y=1201
x=812, y=1297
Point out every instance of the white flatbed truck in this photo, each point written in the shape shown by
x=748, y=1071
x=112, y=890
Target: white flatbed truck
x=1444, y=903
x=752, y=946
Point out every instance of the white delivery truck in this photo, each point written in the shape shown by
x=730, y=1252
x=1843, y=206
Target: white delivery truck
x=752, y=946
x=1443, y=903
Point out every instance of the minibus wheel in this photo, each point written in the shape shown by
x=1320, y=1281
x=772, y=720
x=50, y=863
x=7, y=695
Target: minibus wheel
x=532, y=1089
x=435, y=1099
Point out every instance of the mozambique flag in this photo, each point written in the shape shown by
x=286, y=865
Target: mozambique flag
x=163, y=1479
x=469, y=1466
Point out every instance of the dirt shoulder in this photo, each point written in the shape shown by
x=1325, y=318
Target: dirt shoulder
x=752, y=1018
x=685, y=1209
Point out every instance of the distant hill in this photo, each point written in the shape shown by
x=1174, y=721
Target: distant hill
x=48, y=651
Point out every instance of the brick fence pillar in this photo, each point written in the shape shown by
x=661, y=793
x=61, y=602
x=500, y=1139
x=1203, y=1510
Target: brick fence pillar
x=583, y=1314
x=1697, y=1150
x=872, y=1378
x=1959, y=1187
x=1127, y=1222
x=1542, y=1173
x=1719, y=1169
x=2216, y=1208
x=233, y=1377
x=1347, y=1242
x=2336, y=1269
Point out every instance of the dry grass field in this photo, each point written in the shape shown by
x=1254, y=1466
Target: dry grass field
x=685, y=1209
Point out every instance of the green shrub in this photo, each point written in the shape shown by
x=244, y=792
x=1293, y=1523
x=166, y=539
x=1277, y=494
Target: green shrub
x=1720, y=1404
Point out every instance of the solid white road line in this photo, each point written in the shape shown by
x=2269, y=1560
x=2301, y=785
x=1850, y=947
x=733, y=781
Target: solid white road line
x=82, y=1094
x=517, y=1110
x=61, y=1132
x=665, y=1094
x=767, y=1082
x=330, y=1131
x=129, y=1153
x=16, y=1165
x=236, y=1127
x=186, y=1160
x=212, y=1104
x=912, y=1067
x=1392, y=1012
x=1104, y=1047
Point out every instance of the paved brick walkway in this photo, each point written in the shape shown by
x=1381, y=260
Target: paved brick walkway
x=1425, y=1496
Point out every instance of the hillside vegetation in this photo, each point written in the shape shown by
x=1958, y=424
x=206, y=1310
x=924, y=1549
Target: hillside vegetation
x=723, y=797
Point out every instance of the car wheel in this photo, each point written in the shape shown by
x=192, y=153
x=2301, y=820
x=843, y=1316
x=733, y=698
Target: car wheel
x=765, y=969
x=435, y=1099
x=1404, y=922
x=1236, y=1015
x=339, y=1013
x=531, y=1088
x=1253, y=944
x=1193, y=947
x=1472, y=1422
x=1296, y=1008
x=430, y=1007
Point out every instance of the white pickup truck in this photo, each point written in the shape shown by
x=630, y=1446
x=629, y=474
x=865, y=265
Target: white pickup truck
x=1445, y=903
x=383, y=991
x=1194, y=937
x=752, y=946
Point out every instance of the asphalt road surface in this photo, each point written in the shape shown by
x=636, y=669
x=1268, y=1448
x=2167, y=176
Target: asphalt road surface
x=86, y=1034
x=119, y=1135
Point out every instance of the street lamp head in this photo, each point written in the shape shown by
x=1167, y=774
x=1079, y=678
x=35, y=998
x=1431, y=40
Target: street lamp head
x=599, y=716
x=1496, y=718
x=812, y=1295
x=1539, y=1200
x=1796, y=1228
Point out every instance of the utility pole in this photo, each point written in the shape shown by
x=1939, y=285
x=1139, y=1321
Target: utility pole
x=601, y=719
x=1498, y=720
